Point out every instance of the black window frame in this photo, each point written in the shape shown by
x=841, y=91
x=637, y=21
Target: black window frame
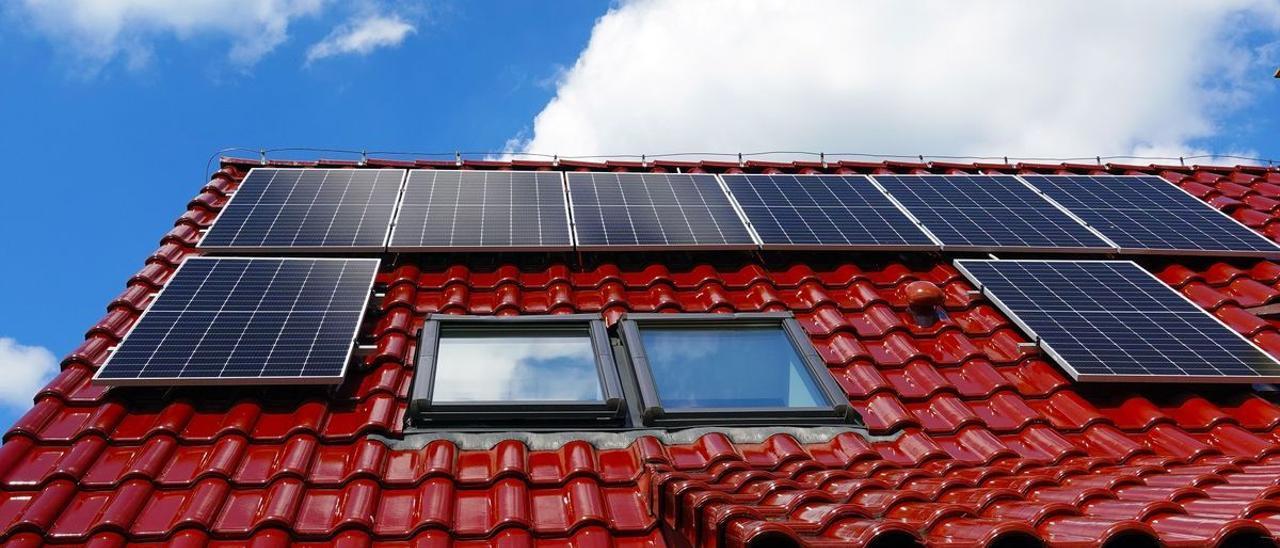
x=838, y=410
x=611, y=412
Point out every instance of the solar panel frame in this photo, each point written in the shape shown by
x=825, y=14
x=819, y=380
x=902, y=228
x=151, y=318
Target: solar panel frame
x=338, y=378
x=1065, y=364
x=393, y=246
x=1051, y=207
x=575, y=208
x=934, y=244
x=204, y=246
x=1029, y=179
x=738, y=209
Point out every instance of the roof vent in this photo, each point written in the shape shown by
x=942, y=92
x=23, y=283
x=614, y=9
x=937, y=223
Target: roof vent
x=925, y=300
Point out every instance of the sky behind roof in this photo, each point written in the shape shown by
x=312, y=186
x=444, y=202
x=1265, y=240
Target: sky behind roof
x=113, y=107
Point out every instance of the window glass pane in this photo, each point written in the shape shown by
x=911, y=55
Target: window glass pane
x=728, y=367
x=516, y=365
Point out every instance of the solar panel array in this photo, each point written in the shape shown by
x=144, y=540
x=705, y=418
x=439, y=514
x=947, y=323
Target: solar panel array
x=347, y=210
x=292, y=320
x=447, y=209
x=988, y=212
x=247, y=321
x=1148, y=213
x=1113, y=321
x=823, y=210
x=308, y=209
x=654, y=210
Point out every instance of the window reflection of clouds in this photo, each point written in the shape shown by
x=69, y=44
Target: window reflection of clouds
x=516, y=368
x=681, y=345
x=728, y=368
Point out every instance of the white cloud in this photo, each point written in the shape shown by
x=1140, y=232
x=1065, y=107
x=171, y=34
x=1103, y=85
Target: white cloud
x=1050, y=78
x=361, y=37
x=25, y=369
x=99, y=31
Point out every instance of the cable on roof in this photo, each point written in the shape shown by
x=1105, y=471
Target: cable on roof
x=264, y=156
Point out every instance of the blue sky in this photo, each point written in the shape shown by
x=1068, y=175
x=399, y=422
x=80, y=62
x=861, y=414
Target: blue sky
x=110, y=117
x=98, y=168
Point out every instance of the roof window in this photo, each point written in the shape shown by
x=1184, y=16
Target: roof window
x=658, y=370
x=540, y=369
x=729, y=368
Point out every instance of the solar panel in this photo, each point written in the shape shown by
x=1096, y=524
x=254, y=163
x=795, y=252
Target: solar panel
x=493, y=210
x=280, y=209
x=1145, y=213
x=989, y=212
x=654, y=210
x=810, y=211
x=228, y=320
x=1114, y=321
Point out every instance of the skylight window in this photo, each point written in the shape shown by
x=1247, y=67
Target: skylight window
x=543, y=370
x=729, y=368
x=719, y=368
x=669, y=370
x=488, y=365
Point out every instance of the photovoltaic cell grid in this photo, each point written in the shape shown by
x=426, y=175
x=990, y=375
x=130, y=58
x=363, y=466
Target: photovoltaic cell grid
x=446, y=209
x=1111, y=320
x=654, y=210
x=823, y=210
x=1149, y=213
x=247, y=321
x=308, y=209
x=988, y=212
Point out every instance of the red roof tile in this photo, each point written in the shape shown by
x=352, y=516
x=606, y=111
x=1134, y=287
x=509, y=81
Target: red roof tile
x=971, y=440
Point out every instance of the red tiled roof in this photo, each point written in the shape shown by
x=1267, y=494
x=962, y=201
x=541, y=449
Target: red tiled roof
x=972, y=441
